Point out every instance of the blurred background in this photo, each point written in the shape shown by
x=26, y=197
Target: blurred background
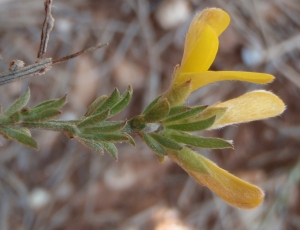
x=64, y=185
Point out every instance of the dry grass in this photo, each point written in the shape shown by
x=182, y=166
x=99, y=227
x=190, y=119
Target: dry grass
x=89, y=191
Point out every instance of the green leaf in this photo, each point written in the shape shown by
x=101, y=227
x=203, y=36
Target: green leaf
x=22, y=130
x=193, y=126
x=40, y=116
x=94, y=145
x=178, y=109
x=218, y=112
x=109, y=137
x=151, y=104
x=197, y=141
x=18, y=104
x=110, y=102
x=166, y=142
x=20, y=137
x=123, y=102
x=95, y=105
x=159, y=111
x=53, y=104
x=194, y=111
x=108, y=127
x=130, y=139
x=111, y=149
x=93, y=120
x=154, y=145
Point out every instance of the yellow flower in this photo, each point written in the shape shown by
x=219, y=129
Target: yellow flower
x=201, y=46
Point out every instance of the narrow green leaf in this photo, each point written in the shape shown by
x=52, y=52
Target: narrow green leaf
x=166, y=142
x=111, y=149
x=159, y=111
x=110, y=127
x=0, y=109
x=94, y=145
x=197, y=141
x=193, y=126
x=154, y=145
x=95, y=105
x=109, y=137
x=123, y=102
x=53, y=104
x=18, y=104
x=194, y=111
x=19, y=137
x=178, y=109
x=218, y=112
x=40, y=116
x=130, y=139
x=151, y=104
x=93, y=120
x=25, y=131
x=110, y=102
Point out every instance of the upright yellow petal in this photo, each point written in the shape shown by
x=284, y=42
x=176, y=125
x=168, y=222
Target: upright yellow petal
x=233, y=190
x=200, y=50
x=201, y=43
x=251, y=106
x=208, y=77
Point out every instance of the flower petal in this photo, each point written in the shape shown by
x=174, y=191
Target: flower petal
x=233, y=190
x=201, y=44
x=251, y=106
x=208, y=77
x=200, y=50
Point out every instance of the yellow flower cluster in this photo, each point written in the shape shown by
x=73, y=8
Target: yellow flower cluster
x=200, y=49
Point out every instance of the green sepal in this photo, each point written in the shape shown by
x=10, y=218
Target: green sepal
x=158, y=112
x=18, y=104
x=197, y=141
x=93, y=120
x=166, y=142
x=109, y=137
x=20, y=137
x=154, y=145
x=111, y=149
x=94, y=145
x=193, y=126
x=178, y=109
x=95, y=105
x=194, y=111
x=178, y=94
x=123, y=102
x=106, y=127
x=39, y=116
x=53, y=104
x=151, y=104
x=110, y=102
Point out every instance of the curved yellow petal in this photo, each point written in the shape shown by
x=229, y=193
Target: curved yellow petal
x=200, y=50
x=251, y=106
x=208, y=77
x=233, y=190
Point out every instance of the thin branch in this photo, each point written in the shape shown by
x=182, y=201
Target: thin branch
x=66, y=58
x=47, y=27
